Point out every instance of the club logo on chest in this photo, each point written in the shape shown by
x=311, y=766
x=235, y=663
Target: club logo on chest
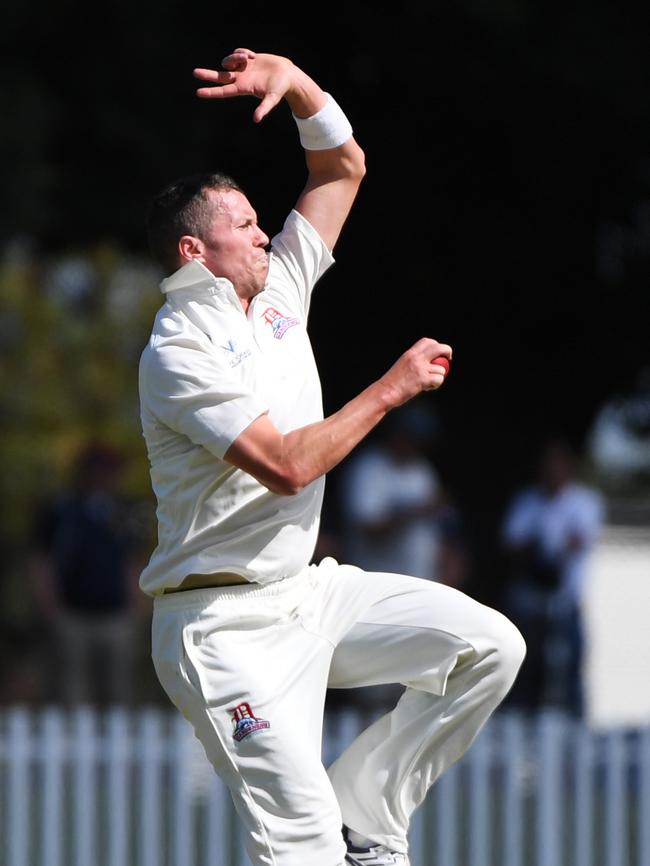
x=278, y=322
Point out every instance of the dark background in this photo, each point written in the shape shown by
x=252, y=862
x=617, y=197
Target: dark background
x=506, y=209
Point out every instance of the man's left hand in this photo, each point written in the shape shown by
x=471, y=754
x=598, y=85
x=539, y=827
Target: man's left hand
x=266, y=76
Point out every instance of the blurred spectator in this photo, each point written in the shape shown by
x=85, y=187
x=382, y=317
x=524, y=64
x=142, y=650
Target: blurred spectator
x=85, y=581
x=395, y=514
x=72, y=282
x=549, y=532
x=619, y=442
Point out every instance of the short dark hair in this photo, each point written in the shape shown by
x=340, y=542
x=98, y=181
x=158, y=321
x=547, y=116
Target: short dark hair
x=182, y=208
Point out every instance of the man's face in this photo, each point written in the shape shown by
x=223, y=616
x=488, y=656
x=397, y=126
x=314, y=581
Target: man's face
x=234, y=245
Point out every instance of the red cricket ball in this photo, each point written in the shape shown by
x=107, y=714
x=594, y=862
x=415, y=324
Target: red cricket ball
x=441, y=361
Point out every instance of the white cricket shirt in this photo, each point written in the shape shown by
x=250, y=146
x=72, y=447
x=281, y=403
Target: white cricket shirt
x=208, y=371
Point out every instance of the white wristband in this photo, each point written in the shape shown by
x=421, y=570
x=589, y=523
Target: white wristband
x=326, y=129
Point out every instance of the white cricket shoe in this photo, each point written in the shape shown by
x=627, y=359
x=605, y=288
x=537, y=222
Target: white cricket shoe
x=376, y=855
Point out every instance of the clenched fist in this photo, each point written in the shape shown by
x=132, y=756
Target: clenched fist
x=416, y=371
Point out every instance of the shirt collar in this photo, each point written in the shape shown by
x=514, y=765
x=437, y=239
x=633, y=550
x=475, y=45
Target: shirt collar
x=196, y=277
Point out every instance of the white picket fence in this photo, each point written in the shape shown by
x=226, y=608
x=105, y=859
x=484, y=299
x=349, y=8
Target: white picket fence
x=134, y=789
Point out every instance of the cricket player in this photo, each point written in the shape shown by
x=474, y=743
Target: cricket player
x=247, y=634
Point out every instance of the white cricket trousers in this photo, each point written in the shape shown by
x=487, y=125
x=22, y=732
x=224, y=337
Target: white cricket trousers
x=249, y=667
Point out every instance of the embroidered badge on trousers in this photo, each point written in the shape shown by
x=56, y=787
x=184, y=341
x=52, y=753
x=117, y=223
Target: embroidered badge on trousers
x=245, y=722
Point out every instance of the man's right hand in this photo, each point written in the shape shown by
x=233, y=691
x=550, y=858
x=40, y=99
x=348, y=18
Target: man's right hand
x=416, y=371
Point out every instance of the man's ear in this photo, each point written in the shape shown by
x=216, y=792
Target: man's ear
x=190, y=248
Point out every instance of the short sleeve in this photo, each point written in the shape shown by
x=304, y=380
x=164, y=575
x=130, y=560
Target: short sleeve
x=299, y=258
x=190, y=392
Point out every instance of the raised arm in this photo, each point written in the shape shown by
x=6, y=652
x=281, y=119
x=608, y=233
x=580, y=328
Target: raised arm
x=335, y=170
x=285, y=463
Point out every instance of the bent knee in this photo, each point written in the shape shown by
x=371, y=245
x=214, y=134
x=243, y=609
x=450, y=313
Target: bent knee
x=508, y=651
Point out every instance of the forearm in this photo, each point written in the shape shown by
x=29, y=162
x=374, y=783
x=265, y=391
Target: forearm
x=335, y=162
x=314, y=450
x=331, y=161
x=304, y=97
x=286, y=463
